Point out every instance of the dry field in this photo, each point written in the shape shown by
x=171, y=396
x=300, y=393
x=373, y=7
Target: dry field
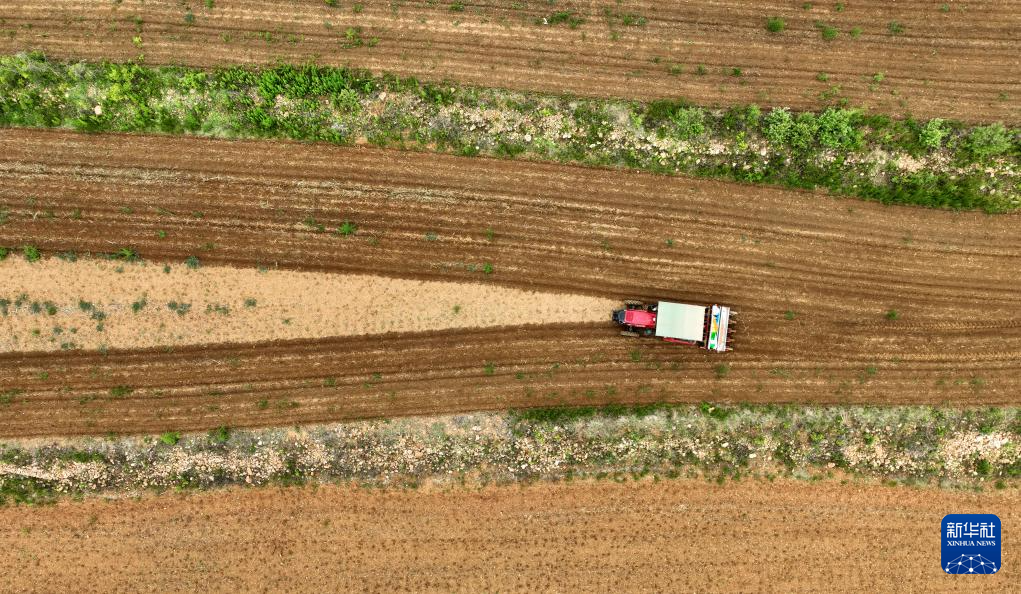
x=961, y=63
x=232, y=305
x=837, y=267
x=668, y=536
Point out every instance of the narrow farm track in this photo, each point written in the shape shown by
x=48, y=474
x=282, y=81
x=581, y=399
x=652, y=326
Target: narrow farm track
x=962, y=63
x=837, y=265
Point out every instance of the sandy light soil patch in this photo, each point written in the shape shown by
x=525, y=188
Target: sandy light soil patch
x=676, y=536
x=92, y=303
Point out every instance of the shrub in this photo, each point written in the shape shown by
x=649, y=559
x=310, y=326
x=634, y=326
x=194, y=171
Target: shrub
x=895, y=27
x=722, y=370
x=892, y=314
x=489, y=368
x=837, y=129
x=828, y=33
x=803, y=133
x=775, y=25
x=689, y=122
x=777, y=126
x=932, y=134
x=988, y=141
x=170, y=438
x=192, y=262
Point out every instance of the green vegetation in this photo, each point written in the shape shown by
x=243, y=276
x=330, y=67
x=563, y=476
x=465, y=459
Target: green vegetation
x=775, y=25
x=901, y=444
x=562, y=17
x=347, y=228
x=840, y=149
x=179, y=308
x=170, y=438
x=120, y=391
x=31, y=253
x=828, y=32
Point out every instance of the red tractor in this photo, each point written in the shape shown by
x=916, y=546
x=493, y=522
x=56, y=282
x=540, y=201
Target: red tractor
x=696, y=325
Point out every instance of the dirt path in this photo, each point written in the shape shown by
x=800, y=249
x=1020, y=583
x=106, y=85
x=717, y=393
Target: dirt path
x=837, y=266
x=96, y=303
x=669, y=536
x=962, y=63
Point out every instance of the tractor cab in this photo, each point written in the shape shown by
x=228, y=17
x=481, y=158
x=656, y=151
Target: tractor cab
x=637, y=317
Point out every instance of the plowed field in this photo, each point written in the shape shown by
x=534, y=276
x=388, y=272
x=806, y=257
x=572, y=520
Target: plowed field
x=671, y=536
x=836, y=267
x=896, y=57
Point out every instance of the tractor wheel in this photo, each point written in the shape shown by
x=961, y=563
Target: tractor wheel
x=629, y=334
x=632, y=303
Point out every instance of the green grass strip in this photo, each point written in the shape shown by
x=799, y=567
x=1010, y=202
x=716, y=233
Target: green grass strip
x=935, y=163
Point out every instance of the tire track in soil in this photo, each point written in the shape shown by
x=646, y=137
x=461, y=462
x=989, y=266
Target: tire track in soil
x=960, y=64
x=839, y=264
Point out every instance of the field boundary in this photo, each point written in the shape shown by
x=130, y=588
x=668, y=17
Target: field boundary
x=845, y=151
x=948, y=447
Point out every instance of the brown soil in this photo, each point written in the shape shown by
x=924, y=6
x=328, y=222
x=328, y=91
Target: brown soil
x=677, y=536
x=284, y=304
x=839, y=265
x=962, y=63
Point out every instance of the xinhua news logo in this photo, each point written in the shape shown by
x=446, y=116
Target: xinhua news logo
x=971, y=543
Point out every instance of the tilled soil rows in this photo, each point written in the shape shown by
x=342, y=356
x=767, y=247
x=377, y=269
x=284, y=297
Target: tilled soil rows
x=813, y=279
x=669, y=536
x=904, y=57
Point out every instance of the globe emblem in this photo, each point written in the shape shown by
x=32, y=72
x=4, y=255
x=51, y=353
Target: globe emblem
x=970, y=564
